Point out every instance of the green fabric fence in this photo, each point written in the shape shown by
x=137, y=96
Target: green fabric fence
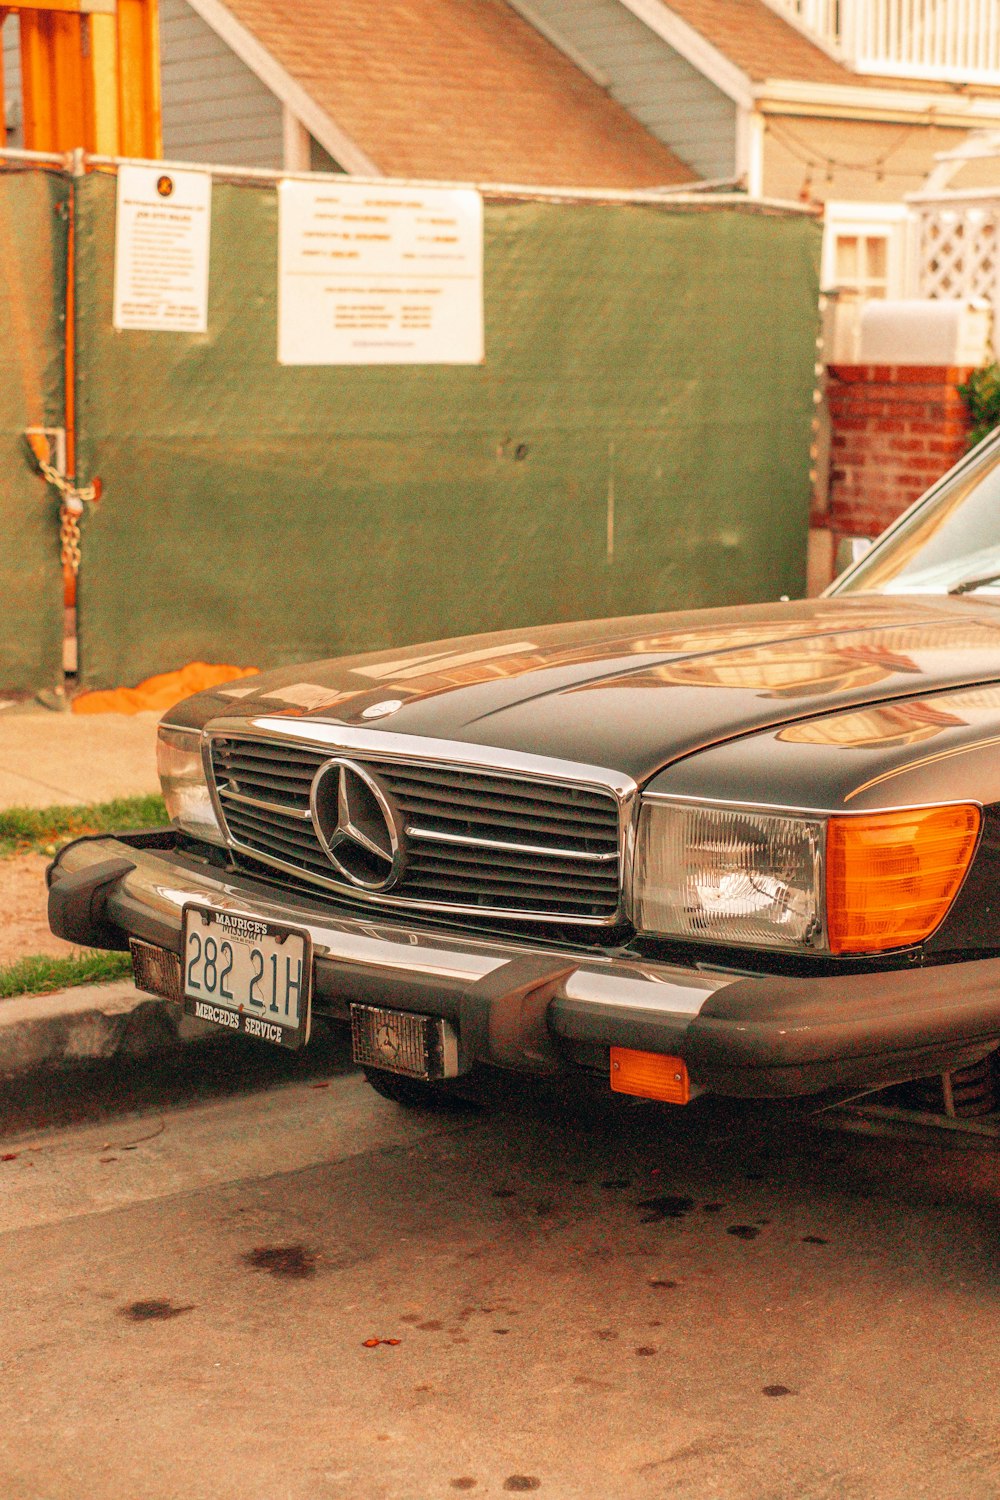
x=33, y=236
x=637, y=439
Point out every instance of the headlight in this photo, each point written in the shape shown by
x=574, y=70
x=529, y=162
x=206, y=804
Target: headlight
x=849, y=884
x=182, y=778
x=719, y=875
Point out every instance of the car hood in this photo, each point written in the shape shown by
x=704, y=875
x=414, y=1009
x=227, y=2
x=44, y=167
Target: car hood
x=638, y=694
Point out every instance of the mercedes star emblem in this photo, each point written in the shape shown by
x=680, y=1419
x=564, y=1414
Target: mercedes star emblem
x=381, y=710
x=388, y=1041
x=357, y=825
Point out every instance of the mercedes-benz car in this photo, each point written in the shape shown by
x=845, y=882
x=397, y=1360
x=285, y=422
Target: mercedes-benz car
x=753, y=851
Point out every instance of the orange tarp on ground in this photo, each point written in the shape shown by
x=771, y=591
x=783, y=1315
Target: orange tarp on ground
x=157, y=694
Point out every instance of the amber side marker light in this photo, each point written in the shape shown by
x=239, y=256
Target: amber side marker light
x=891, y=877
x=649, y=1075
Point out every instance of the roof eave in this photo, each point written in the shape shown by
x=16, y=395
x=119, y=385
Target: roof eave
x=274, y=76
x=867, y=102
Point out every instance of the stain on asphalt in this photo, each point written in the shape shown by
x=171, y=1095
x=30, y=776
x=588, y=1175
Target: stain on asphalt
x=645, y=1349
x=290, y=1262
x=814, y=1239
x=463, y=1482
x=777, y=1390
x=433, y=1325
x=661, y=1283
x=743, y=1231
x=152, y=1311
x=616, y=1184
x=504, y=1193
x=670, y=1206
x=522, y=1482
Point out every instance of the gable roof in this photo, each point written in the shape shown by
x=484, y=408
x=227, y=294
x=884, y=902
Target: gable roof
x=761, y=43
x=765, y=47
x=454, y=89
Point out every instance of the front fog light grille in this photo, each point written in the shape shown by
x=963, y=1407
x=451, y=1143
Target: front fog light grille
x=724, y=875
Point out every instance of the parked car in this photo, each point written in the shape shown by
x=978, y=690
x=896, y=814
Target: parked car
x=753, y=851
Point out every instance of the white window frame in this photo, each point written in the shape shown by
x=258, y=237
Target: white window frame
x=894, y=220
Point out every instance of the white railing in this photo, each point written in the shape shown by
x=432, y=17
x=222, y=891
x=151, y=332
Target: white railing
x=958, y=40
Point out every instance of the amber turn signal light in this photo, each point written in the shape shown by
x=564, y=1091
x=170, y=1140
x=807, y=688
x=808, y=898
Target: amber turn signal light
x=649, y=1075
x=892, y=876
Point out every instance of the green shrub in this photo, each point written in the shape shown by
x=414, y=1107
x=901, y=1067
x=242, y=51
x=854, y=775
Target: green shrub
x=981, y=394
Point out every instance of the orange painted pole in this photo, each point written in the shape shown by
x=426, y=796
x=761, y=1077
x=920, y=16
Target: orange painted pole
x=3, y=106
x=36, y=93
x=90, y=75
x=69, y=372
x=139, y=109
x=66, y=80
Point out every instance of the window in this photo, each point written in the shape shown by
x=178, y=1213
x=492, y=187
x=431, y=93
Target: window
x=864, y=251
x=861, y=266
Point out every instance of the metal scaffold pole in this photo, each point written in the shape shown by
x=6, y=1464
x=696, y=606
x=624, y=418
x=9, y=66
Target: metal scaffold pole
x=90, y=75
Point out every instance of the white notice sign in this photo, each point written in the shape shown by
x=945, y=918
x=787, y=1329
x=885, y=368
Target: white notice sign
x=161, y=250
x=379, y=275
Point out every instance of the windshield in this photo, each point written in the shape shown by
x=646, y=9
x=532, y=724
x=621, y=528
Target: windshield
x=950, y=544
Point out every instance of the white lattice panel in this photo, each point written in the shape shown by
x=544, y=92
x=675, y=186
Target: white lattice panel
x=959, y=255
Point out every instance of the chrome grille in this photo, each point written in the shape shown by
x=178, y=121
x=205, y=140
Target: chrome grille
x=494, y=842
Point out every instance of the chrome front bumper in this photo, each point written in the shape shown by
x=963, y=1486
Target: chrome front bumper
x=588, y=994
x=532, y=1007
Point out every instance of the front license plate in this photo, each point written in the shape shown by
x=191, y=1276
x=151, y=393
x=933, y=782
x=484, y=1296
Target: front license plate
x=248, y=976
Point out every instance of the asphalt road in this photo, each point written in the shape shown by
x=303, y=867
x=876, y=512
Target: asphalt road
x=583, y=1299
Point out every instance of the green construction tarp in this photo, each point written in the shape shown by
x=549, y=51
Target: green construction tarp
x=33, y=234
x=637, y=439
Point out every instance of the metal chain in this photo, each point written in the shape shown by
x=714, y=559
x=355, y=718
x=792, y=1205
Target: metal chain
x=69, y=538
x=70, y=511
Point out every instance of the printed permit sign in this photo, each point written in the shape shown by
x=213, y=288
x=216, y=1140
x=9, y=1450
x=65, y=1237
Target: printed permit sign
x=379, y=274
x=161, y=250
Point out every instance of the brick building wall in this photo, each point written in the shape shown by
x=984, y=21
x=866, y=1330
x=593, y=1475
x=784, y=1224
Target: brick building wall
x=894, y=430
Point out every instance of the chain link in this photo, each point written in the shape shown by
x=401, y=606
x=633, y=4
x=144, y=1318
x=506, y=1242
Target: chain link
x=70, y=511
x=69, y=539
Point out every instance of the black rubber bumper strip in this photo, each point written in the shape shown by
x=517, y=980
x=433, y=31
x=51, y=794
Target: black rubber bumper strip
x=78, y=904
x=772, y=1036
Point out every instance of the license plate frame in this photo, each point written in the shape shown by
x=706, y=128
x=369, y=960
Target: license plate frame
x=244, y=934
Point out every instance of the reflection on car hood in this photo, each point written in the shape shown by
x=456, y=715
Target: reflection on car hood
x=639, y=693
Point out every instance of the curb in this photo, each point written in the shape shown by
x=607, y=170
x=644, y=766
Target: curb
x=90, y=1022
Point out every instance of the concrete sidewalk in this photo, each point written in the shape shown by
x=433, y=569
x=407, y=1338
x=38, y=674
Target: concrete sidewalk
x=48, y=759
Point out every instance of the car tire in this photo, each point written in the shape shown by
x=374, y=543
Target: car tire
x=413, y=1093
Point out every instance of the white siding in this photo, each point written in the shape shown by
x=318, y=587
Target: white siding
x=12, y=82
x=214, y=108
x=664, y=92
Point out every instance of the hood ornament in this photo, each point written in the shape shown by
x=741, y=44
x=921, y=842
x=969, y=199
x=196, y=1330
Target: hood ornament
x=380, y=710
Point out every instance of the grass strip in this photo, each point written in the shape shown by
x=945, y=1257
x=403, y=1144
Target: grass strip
x=44, y=829
x=41, y=974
